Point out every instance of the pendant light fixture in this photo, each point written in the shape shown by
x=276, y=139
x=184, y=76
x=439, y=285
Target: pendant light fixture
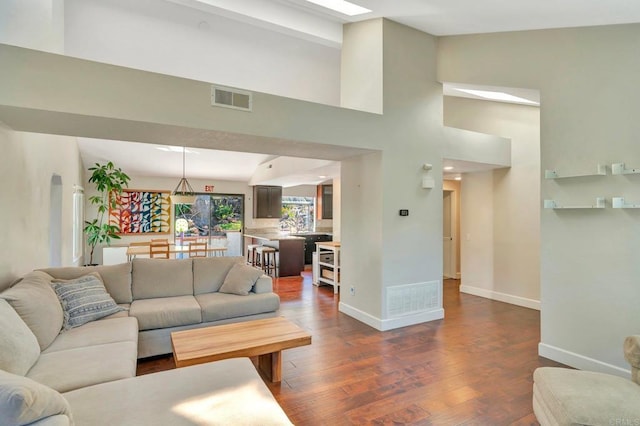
x=183, y=194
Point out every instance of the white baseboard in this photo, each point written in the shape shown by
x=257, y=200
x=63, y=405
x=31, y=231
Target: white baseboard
x=501, y=297
x=393, y=323
x=361, y=316
x=580, y=362
x=418, y=318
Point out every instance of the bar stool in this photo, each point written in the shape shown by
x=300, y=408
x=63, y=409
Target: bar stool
x=251, y=255
x=267, y=258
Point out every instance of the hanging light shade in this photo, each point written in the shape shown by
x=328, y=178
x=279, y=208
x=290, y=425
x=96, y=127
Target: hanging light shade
x=184, y=193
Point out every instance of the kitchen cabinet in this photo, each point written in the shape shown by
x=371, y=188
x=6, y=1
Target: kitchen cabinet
x=310, y=240
x=267, y=202
x=325, y=202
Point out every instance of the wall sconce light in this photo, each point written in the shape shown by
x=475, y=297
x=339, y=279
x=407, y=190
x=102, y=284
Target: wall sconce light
x=427, y=181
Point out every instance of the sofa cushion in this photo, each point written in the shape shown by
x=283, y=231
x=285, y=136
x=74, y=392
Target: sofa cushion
x=38, y=306
x=228, y=392
x=263, y=285
x=124, y=313
x=70, y=369
x=96, y=333
x=240, y=279
x=219, y=306
x=166, y=312
x=116, y=278
x=84, y=299
x=19, y=348
x=209, y=272
x=570, y=397
x=24, y=401
x=161, y=278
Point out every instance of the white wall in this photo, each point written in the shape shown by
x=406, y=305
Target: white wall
x=362, y=67
x=477, y=254
x=27, y=163
x=501, y=250
x=590, y=103
x=455, y=187
x=172, y=39
x=36, y=24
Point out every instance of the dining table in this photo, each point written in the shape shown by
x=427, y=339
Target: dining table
x=133, y=251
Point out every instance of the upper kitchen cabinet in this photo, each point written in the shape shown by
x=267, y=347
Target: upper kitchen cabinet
x=325, y=202
x=267, y=202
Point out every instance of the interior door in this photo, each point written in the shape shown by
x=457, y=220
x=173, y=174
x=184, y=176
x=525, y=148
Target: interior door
x=448, y=267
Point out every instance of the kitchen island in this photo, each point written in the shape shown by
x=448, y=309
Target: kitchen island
x=290, y=250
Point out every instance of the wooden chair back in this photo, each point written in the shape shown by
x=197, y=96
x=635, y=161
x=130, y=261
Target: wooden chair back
x=140, y=244
x=160, y=240
x=159, y=250
x=197, y=249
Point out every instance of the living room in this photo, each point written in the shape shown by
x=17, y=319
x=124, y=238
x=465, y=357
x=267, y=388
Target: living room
x=588, y=104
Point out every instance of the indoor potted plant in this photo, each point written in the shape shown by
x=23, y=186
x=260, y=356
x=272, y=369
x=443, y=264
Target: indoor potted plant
x=109, y=181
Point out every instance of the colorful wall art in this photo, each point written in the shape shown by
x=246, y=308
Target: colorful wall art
x=142, y=212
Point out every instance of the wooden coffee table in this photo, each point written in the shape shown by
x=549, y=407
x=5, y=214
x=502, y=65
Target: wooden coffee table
x=263, y=338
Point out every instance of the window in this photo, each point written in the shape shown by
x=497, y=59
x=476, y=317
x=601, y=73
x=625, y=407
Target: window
x=298, y=214
x=210, y=215
x=216, y=218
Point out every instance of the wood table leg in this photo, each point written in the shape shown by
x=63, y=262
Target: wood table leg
x=271, y=366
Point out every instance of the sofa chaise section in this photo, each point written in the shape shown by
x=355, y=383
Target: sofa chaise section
x=228, y=392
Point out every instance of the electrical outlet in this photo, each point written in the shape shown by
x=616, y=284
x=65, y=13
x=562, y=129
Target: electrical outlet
x=352, y=290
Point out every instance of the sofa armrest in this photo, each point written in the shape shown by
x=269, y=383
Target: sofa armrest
x=57, y=420
x=632, y=355
x=263, y=285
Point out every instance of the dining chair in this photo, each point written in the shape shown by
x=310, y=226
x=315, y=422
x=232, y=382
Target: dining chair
x=159, y=250
x=139, y=243
x=197, y=249
x=160, y=240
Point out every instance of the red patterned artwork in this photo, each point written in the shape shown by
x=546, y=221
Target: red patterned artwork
x=142, y=212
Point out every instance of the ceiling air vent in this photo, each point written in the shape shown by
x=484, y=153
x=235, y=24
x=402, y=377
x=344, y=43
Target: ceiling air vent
x=231, y=98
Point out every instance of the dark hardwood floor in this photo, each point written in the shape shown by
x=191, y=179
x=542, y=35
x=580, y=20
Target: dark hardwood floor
x=472, y=368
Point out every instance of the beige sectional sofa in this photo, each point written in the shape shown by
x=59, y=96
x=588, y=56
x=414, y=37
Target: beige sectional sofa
x=170, y=295
x=86, y=375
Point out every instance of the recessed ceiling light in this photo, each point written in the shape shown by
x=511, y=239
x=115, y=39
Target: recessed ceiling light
x=457, y=178
x=322, y=177
x=341, y=6
x=169, y=148
x=448, y=167
x=497, y=96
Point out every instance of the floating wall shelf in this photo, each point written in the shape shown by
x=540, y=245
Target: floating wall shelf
x=552, y=174
x=619, y=203
x=619, y=169
x=551, y=204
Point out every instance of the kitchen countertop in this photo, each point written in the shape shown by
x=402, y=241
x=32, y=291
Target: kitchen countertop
x=274, y=236
x=329, y=243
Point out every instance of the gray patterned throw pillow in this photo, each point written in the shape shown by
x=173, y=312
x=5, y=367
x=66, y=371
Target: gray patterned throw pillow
x=84, y=299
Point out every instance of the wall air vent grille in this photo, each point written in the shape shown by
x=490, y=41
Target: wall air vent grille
x=412, y=298
x=231, y=98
